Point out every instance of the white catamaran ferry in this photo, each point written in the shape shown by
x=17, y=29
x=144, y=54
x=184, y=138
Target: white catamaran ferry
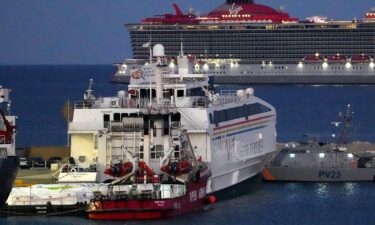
x=233, y=132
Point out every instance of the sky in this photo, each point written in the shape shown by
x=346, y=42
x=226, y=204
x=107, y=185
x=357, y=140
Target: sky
x=92, y=31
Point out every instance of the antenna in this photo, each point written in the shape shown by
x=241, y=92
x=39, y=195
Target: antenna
x=89, y=92
x=347, y=124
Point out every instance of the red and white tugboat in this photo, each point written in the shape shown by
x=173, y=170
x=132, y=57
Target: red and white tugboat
x=151, y=183
x=141, y=194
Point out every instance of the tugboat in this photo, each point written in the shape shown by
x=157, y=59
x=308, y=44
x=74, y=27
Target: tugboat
x=313, y=161
x=9, y=162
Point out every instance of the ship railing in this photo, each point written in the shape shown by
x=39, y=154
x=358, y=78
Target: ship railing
x=73, y=168
x=146, y=103
x=151, y=191
x=121, y=127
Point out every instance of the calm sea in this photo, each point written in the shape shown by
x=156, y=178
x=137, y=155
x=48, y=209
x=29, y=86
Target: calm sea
x=39, y=93
x=270, y=204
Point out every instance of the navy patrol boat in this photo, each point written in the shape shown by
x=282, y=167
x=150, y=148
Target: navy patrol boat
x=313, y=161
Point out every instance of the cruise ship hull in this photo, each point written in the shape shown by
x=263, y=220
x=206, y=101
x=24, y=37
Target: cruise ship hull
x=8, y=172
x=276, y=79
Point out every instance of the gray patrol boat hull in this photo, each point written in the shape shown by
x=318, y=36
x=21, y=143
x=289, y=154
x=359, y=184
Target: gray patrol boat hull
x=319, y=174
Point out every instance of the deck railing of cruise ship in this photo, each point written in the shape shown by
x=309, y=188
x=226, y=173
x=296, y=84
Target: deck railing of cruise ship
x=145, y=103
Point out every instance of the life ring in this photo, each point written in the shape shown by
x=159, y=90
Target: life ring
x=353, y=163
x=137, y=74
x=73, y=170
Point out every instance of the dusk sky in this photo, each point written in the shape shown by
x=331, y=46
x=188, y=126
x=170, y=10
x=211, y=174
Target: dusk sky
x=92, y=31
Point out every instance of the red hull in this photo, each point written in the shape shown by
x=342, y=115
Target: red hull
x=146, y=209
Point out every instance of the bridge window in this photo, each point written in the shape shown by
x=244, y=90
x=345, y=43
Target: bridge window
x=117, y=117
x=156, y=151
x=238, y=112
x=180, y=93
x=106, y=119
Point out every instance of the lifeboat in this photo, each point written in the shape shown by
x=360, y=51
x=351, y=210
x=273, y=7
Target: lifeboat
x=123, y=169
x=360, y=59
x=337, y=58
x=370, y=16
x=313, y=59
x=119, y=169
x=177, y=167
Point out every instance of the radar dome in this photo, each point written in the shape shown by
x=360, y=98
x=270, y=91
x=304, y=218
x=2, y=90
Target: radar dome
x=158, y=50
x=121, y=94
x=240, y=93
x=250, y=91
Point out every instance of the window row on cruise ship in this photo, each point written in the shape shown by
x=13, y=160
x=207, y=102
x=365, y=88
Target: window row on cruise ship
x=266, y=37
x=254, y=27
x=223, y=43
x=246, y=50
x=258, y=54
x=260, y=33
x=243, y=111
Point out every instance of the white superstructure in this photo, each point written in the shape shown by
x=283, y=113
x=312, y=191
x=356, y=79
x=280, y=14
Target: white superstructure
x=234, y=132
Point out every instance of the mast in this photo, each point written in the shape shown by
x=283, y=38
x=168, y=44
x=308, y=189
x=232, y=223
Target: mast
x=158, y=52
x=347, y=124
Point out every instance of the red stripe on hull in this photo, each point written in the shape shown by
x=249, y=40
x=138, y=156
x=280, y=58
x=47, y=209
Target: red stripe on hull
x=128, y=216
x=244, y=122
x=146, y=209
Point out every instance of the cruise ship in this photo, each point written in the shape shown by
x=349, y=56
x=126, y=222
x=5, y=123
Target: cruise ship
x=9, y=162
x=242, y=41
x=234, y=132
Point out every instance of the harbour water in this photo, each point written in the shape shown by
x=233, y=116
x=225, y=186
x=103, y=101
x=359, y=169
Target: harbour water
x=39, y=93
x=280, y=203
